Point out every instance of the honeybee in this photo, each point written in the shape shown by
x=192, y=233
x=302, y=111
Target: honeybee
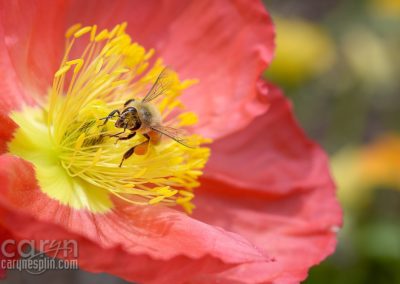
x=141, y=116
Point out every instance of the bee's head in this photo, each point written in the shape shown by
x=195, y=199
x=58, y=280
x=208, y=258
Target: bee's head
x=128, y=119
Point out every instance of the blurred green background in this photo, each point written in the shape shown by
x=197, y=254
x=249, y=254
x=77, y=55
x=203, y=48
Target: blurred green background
x=338, y=61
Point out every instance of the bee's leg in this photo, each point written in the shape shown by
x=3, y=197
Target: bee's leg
x=127, y=155
x=128, y=102
x=116, y=134
x=126, y=137
x=111, y=115
x=141, y=149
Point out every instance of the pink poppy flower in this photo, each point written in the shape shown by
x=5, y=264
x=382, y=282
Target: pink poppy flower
x=265, y=205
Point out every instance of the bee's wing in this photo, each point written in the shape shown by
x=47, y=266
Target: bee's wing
x=160, y=86
x=176, y=134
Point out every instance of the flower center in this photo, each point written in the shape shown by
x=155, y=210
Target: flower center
x=79, y=138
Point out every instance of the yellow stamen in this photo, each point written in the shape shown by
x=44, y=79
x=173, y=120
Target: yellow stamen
x=93, y=33
x=68, y=138
x=72, y=30
x=82, y=31
x=102, y=35
x=62, y=71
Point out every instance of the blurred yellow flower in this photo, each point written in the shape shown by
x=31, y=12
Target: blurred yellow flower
x=386, y=8
x=304, y=50
x=346, y=170
x=369, y=57
x=380, y=162
x=358, y=171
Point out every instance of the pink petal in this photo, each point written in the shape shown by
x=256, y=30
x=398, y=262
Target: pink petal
x=7, y=127
x=11, y=95
x=272, y=155
x=270, y=184
x=147, y=244
x=4, y=236
x=34, y=38
x=297, y=230
x=224, y=44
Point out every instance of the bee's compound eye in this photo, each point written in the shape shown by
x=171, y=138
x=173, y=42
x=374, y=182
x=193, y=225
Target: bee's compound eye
x=136, y=124
x=119, y=123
